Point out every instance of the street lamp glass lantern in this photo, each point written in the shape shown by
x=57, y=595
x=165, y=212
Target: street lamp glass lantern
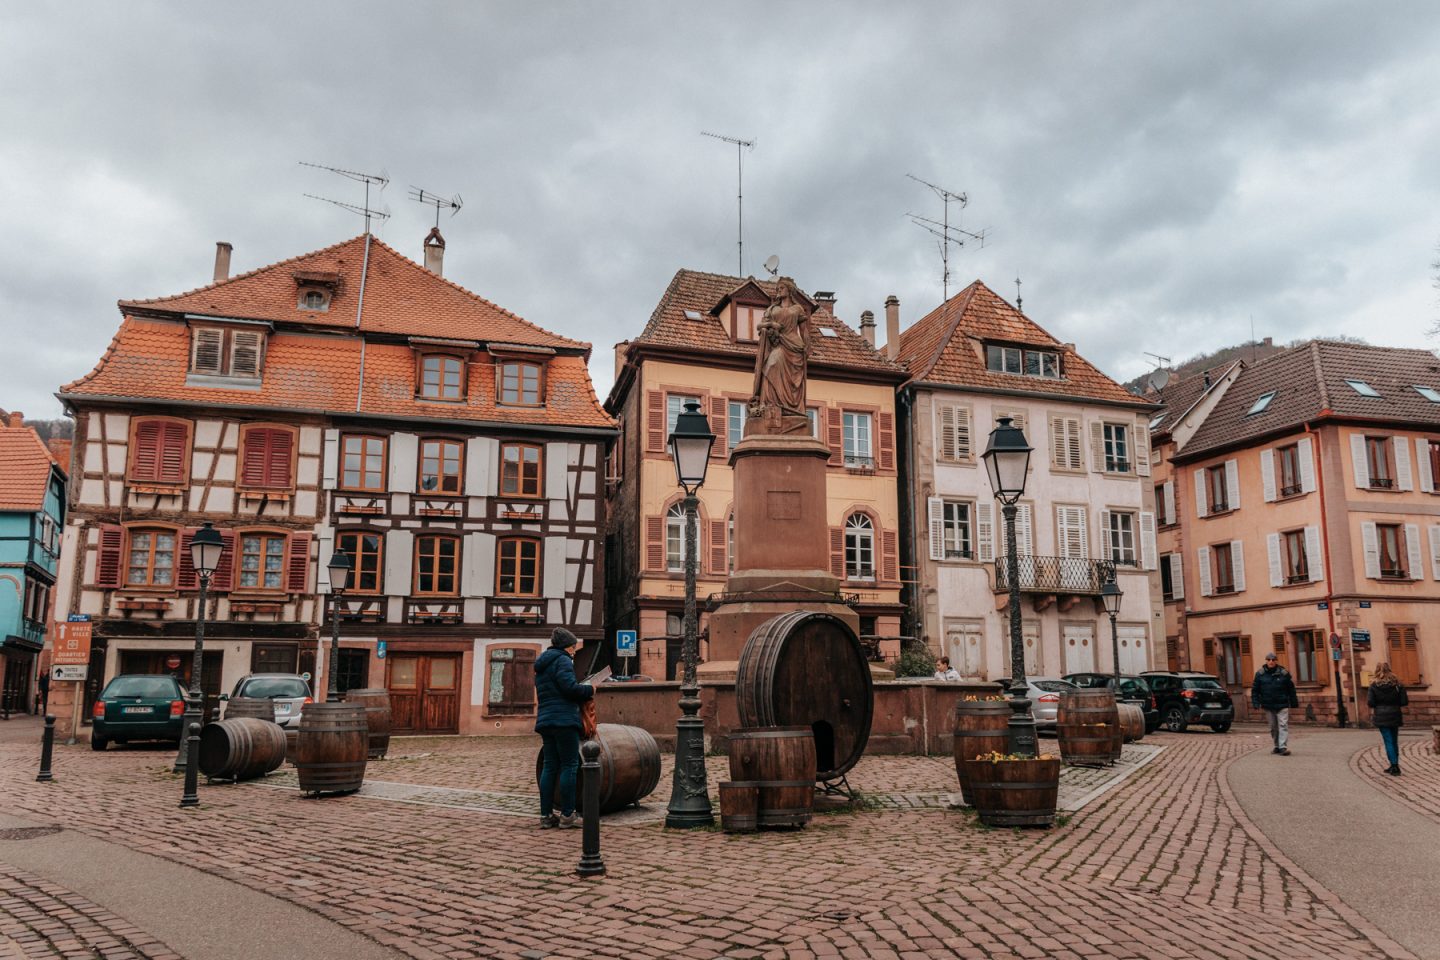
x=690, y=444
x=1007, y=460
x=205, y=549
x=339, y=567
x=1110, y=595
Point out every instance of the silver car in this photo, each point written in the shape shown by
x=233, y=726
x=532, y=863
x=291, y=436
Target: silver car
x=288, y=693
x=1044, y=695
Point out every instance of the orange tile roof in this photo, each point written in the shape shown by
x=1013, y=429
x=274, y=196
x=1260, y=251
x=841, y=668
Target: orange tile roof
x=24, y=469
x=401, y=297
x=946, y=346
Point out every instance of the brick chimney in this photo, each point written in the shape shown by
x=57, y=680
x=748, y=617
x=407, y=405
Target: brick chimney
x=222, y=261
x=867, y=326
x=825, y=299
x=621, y=349
x=892, y=326
x=435, y=252
x=17, y=419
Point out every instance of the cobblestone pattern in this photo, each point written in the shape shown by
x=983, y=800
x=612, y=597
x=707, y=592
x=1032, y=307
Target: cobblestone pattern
x=1160, y=867
x=41, y=920
x=1418, y=786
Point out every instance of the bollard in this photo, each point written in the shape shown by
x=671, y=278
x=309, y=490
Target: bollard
x=591, y=865
x=47, y=746
x=192, y=765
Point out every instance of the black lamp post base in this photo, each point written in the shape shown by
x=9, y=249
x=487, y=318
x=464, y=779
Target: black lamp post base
x=690, y=790
x=182, y=756
x=1024, y=741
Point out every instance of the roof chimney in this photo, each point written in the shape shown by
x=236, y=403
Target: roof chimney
x=17, y=419
x=892, y=326
x=222, y=261
x=867, y=326
x=826, y=299
x=621, y=349
x=435, y=252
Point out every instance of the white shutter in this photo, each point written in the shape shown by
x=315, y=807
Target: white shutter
x=1435, y=551
x=206, y=350
x=1202, y=557
x=1142, y=449
x=985, y=530
x=1097, y=447
x=1422, y=463
x=331, y=459
x=1024, y=532
x=1104, y=551
x=945, y=437
x=935, y=507
x=479, y=565
x=1416, y=570
x=245, y=354
x=1232, y=484
x=1358, y=461
x=1267, y=473
x=1147, y=540
x=482, y=467
x=1058, y=456
x=557, y=468
x=1237, y=560
x=1074, y=444
x=1401, y=447
x=1177, y=577
x=1314, y=560
x=1307, y=465
x=399, y=552
x=1199, y=491
x=403, y=451
x=1167, y=500
x=1371, y=544
x=1070, y=529
x=554, y=586
x=1277, y=567
x=325, y=538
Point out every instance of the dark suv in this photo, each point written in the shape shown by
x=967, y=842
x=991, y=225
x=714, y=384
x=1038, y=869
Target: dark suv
x=1185, y=697
x=1134, y=690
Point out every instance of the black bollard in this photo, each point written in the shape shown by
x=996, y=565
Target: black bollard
x=591, y=865
x=192, y=766
x=47, y=746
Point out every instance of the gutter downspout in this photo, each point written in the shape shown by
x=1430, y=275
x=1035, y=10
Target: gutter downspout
x=1330, y=580
x=359, y=309
x=905, y=404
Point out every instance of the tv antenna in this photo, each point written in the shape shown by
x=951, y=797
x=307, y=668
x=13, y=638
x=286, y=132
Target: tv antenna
x=1159, y=360
x=942, y=228
x=740, y=147
x=436, y=201
x=377, y=179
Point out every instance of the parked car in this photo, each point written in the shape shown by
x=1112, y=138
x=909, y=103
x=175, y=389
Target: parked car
x=288, y=693
x=1134, y=690
x=138, y=706
x=1044, y=695
x=1185, y=697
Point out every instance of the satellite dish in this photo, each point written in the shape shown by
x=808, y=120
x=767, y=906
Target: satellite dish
x=1159, y=379
x=772, y=265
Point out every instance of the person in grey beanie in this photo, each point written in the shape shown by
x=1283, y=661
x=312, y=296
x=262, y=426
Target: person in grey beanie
x=557, y=720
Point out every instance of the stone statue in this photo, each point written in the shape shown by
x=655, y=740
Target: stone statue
x=777, y=405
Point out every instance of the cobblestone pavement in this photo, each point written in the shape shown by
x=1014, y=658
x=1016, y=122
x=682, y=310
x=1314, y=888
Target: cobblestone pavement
x=1164, y=865
x=1418, y=786
x=40, y=919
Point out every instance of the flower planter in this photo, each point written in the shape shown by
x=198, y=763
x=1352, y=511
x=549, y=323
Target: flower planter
x=1015, y=793
x=981, y=727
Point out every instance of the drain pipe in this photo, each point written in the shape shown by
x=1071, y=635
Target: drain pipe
x=1341, y=719
x=359, y=309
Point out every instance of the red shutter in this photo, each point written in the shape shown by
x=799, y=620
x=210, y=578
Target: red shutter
x=717, y=547
x=224, y=574
x=172, y=452
x=185, y=577
x=654, y=421
x=654, y=543
x=266, y=460
x=837, y=551
x=277, y=468
x=254, y=457
x=297, y=562
x=145, y=457
x=889, y=556
x=719, y=406
x=887, y=442
x=107, y=560
x=833, y=435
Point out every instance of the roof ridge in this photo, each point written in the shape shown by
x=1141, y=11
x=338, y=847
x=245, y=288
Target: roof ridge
x=241, y=276
x=1318, y=366
x=104, y=358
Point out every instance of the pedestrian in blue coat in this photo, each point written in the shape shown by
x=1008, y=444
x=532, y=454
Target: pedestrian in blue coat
x=557, y=720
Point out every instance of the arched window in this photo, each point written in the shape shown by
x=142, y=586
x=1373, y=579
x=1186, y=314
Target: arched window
x=675, y=539
x=859, y=547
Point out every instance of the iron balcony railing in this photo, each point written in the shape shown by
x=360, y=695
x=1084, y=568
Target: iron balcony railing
x=1073, y=575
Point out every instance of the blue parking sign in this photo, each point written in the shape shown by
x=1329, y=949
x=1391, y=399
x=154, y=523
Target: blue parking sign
x=627, y=643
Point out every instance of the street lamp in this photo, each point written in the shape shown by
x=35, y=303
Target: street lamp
x=205, y=549
x=690, y=444
x=1111, y=595
x=339, y=567
x=1007, y=460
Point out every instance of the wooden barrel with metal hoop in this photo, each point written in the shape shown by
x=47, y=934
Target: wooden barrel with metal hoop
x=739, y=805
x=249, y=707
x=629, y=767
x=981, y=726
x=1088, y=727
x=331, y=748
x=241, y=748
x=780, y=761
x=376, y=701
x=1015, y=793
x=1132, y=721
x=808, y=669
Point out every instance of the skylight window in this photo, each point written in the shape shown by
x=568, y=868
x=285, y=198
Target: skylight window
x=692, y=315
x=828, y=332
x=1261, y=403
x=1158, y=420
x=1363, y=388
x=1428, y=393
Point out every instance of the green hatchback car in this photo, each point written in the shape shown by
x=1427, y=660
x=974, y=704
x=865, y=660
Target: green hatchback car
x=138, y=706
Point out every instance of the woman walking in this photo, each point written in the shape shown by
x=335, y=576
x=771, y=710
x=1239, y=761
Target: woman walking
x=557, y=720
x=1387, y=698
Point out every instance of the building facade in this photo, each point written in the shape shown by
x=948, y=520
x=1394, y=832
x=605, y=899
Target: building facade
x=1088, y=507
x=700, y=345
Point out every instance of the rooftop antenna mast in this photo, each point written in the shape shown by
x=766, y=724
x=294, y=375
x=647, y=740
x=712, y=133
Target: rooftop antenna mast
x=1018, y=301
x=740, y=147
x=1159, y=360
x=377, y=179
x=436, y=201
x=942, y=229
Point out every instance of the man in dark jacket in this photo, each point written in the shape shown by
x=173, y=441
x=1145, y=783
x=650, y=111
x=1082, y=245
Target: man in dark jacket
x=1274, y=690
x=557, y=720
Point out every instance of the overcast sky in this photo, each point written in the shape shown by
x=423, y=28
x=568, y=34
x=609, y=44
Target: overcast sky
x=1160, y=175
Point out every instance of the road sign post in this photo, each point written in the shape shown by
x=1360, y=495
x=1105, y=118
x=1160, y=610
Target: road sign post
x=627, y=647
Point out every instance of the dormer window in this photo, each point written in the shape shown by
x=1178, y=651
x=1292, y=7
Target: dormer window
x=314, y=298
x=223, y=352
x=1023, y=361
x=745, y=320
x=520, y=383
x=442, y=377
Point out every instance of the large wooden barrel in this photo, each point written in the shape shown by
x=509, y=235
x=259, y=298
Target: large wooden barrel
x=331, y=748
x=376, y=701
x=808, y=669
x=249, y=707
x=1087, y=705
x=1087, y=744
x=779, y=760
x=629, y=767
x=739, y=806
x=1015, y=793
x=1132, y=721
x=981, y=726
x=241, y=748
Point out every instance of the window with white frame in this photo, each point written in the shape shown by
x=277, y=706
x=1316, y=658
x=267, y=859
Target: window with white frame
x=955, y=521
x=735, y=422
x=674, y=406
x=1117, y=448
x=857, y=440
x=859, y=548
x=1121, y=536
x=675, y=539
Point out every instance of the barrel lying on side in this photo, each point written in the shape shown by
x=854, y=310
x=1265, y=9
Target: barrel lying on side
x=241, y=748
x=629, y=766
x=331, y=748
x=1132, y=721
x=376, y=701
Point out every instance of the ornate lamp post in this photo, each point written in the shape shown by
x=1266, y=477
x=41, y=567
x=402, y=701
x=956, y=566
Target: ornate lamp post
x=1007, y=460
x=690, y=444
x=205, y=550
x=339, y=566
x=1111, y=595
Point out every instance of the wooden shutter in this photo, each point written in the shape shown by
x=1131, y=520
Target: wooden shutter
x=1232, y=484
x=654, y=421
x=224, y=575
x=837, y=551
x=1370, y=540
x=1403, y=478
x=1358, y=461
x=266, y=458
x=1147, y=540
x=1059, y=457
x=277, y=466
x=1024, y=531
x=207, y=347
x=945, y=447
x=1267, y=473
x=886, y=430
x=1167, y=501
x=1247, y=662
x=1202, y=565
x=935, y=513
x=1314, y=559
x=297, y=562
x=1307, y=465
x=1142, y=449
x=185, y=576
x=1422, y=465
x=1277, y=565
x=1097, y=446
x=1106, y=550
x=1200, y=499
x=145, y=451
x=245, y=353
x=718, y=547
x=1322, y=656
x=889, y=556
x=985, y=531
x=655, y=543
x=834, y=436
x=107, y=558
x=1404, y=652
x=1416, y=570
x=1237, y=565
x=1208, y=646
x=1177, y=577
x=1074, y=445
x=1435, y=551
x=719, y=407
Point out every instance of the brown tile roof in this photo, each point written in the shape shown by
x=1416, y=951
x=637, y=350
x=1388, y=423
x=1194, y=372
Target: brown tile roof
x=24, y=469
x=946, y=347
x=401, y=297
x=700, y=292
x=1309, y=383
x=1178, y=396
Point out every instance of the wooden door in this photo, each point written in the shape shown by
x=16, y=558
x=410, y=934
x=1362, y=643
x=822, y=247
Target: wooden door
x=274, y=657
x=404, y=686
x=424, y=693
x=1079, y=648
